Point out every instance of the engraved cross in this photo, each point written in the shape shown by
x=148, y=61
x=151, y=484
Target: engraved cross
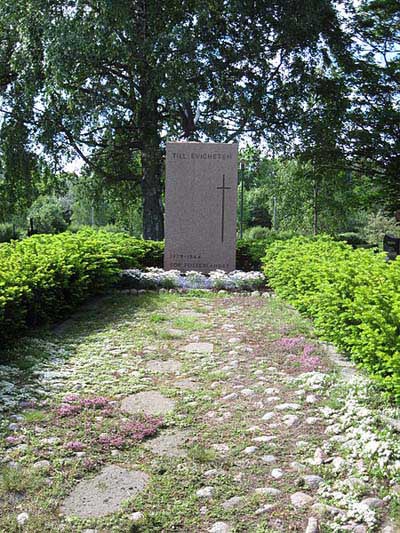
x=223, y=188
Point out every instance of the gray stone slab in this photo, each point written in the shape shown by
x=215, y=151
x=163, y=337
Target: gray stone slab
x=200, y=206
x=169, y=443
x=149, y=403
x=199, y=347
x=164, y=366
x=104, y=493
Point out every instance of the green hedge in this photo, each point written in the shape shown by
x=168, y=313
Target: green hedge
x=352, y=295
x=45, y=276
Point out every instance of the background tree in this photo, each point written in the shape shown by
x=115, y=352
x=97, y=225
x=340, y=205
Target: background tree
x=96, y=77
x=373, y=129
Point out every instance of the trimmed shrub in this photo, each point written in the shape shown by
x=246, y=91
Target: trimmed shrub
x=45, y=276
x=352, y=295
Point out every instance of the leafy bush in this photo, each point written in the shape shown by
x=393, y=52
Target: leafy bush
x=45, y=276
x=256, y=232
x=351, y=294
x=378, y=225
x=48, y=215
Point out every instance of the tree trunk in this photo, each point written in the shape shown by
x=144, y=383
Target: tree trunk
x=153, y=213
x=315, y=207
x=152, y=161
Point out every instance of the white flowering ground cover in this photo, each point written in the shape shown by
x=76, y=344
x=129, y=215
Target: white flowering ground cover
x=277, y=439
x=156, y=278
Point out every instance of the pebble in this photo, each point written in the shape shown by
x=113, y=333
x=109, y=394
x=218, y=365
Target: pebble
x=22, y=518
x=312, y=525
x=221, y=448
x=205, y=492
x=373, y=503
x=302, y=444
x=50, y=440
x=290, y=420
x=252, y=429
x=311, y=398
x=338, y=463
x=272, y=399
x=276, y=473
x=264, y=509
x=250, y=449
x=42, y=464
x=323, y=509
x=17, y=418
x=136, y=517
x=268, y=458
x=297, y=466
x=268, y=491
x=283, y=406
x=388, y=529
x=312, y=481
x=232, y=502
x=263, y=438
x=272, y=391
x=311, y=420
x=231, y=396
x=319, y=456
x=220, y=527
x=300, y=499
x=268, y=416
x=239, y=477
x=212, y=472
x=247, y=392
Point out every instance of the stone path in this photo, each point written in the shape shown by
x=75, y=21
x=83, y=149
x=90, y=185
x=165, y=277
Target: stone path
x=238, y=423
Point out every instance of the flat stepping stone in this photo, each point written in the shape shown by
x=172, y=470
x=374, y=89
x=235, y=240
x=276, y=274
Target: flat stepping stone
x=163, y=366
x=199, y=347
x=104, y=493
x=149, y=403
x=169, y=444
x=187, y=384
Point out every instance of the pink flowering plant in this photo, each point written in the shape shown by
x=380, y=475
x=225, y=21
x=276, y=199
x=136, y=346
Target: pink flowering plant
x=94, y=423
x=301, y=353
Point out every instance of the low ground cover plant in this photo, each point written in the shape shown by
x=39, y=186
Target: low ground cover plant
x=352, y=295
x=45, y=276
x=156, y=278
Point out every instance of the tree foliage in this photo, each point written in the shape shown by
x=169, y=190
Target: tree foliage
x=107, y=79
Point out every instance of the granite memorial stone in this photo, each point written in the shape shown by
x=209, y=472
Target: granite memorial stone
x=200, y=212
